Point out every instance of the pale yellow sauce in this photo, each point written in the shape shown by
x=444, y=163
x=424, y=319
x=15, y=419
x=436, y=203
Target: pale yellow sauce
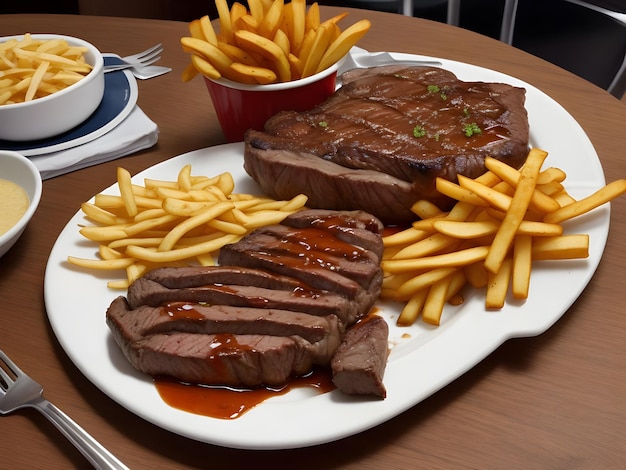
x=13, y=204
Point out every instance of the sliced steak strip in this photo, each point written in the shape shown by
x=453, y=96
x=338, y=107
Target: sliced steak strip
x=146, y=292
x=317, y=247
x=194, y=276
x=214, y=334
x=356, y=227
x=210, y=319
x=331, y=219
x=223, y=359
x=359, y=364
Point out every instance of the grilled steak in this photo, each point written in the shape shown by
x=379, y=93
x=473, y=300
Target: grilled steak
x=381, y=140
x=249, y=322
x=359, y=364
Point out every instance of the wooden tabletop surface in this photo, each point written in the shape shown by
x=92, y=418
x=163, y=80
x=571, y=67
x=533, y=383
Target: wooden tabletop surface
x=555, y=401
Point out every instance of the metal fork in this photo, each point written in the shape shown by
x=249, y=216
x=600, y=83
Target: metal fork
x=144, y=58
x=18, y=390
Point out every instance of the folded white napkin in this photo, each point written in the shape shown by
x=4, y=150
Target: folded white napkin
x=136, y=132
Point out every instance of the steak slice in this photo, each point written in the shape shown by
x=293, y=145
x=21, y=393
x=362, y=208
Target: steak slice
x=359, y=364
x=214, y=334
x=147, y=292
x=407, y=123
x=354, y=227
x=222, y=359
x=193, y=276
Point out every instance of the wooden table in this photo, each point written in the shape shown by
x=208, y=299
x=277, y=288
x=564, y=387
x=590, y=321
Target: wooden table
x=553, y=401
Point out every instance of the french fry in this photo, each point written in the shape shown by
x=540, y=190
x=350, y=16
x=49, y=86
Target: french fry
x=322, y=39
x=340, y=46
x=260, y=75
x=564, y=247
x=266, y=48
x=452, y=259
x=208, y=32
x=412, y=308
x=312, y=18
x=514, y=216
x=454, y=191
x=522, y=264
x=498, y=285
x=298, y=15
x=271, y=19
x=582, y=206
x=421, y=281
x=126, y=191
x=226, y=27
x=435, y=301
x=425, y=209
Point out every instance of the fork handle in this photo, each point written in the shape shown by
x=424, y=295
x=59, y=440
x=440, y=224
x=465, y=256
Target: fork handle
x=93, y=451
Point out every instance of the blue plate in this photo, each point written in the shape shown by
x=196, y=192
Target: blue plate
x=120, y=96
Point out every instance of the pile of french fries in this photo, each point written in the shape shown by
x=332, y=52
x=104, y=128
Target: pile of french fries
x=502, y=222
x=172, y=223
x=32, y=68
x=271, y=42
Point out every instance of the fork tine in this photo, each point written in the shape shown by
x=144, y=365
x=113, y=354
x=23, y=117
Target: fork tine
x=140, y=55
x=8, y=364
x=148, y=62
x=148, y=57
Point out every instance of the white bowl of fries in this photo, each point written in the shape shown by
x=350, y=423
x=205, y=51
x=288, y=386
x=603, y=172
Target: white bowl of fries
x=20, y=186
x=56, y=85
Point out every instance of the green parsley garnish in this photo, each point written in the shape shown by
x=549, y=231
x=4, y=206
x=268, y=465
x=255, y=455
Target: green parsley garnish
x=323, y=124
x=471, y=129
x=419, y=131
x=433, y=89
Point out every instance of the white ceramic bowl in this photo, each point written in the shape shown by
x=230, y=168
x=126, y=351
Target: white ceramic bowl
x=61, y=111
x=20, y=170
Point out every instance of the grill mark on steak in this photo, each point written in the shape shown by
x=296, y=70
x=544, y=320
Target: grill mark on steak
x=368, y=125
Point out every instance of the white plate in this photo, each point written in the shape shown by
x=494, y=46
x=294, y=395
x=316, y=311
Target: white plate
x=422, y=360
x=120, y=96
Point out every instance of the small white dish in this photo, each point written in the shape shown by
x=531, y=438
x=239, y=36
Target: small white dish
x=20, y=170
x=60, y=111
